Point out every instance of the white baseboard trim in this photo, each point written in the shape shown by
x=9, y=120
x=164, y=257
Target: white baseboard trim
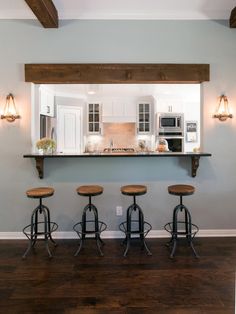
x=118, y=234
x=216, y=233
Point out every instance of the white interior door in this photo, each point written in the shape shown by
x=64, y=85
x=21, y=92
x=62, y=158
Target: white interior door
x=69, y=122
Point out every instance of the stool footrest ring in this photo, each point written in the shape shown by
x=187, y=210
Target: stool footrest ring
x=135, y=229
x=27, y=229
x=78, y=228
x=146, y=226
x=169, y=228
x=34, y=230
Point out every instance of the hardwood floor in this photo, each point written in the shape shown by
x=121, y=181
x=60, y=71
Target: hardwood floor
x=136, y=284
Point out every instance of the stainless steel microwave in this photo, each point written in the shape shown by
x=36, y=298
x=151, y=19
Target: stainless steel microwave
x=170, y=124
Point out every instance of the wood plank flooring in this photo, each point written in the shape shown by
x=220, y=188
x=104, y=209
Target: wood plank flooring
x=137, y=284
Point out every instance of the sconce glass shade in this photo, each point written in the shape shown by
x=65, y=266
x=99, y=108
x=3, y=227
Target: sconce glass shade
x=222, y=112
x=10, y=112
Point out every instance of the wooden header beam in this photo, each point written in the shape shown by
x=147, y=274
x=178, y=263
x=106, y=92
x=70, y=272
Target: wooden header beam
x=232, y=21
x=116, y=73
x=45, y=11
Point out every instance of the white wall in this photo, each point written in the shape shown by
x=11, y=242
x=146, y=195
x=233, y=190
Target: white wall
x=212, y=206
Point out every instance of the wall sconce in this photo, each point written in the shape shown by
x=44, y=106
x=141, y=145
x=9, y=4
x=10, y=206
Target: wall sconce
x=222, y=112
x=10, y=112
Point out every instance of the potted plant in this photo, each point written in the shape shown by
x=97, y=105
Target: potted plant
x=46, y=145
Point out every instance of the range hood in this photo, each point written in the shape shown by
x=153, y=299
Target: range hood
x=119, y=119
x=119, y=112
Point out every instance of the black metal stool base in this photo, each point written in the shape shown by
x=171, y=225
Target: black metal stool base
x=33, y=231
x=78, y=229
x=142, y=228
x=96, y=228
x=189, y=229
x=128, y=235
x=174, y=239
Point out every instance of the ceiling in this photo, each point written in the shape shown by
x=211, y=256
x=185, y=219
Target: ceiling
x=125, y=9
x=123, y=90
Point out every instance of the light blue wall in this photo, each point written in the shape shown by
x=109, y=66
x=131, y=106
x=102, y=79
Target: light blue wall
x=213, y=42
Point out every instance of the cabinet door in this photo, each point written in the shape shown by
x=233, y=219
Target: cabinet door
x=118, y=108
x=50, y=104
x=94, y=117
x=130, y=111
x=106, y=109
x=166, y=106
x=177, y=107
x=144, y=118
x=43, y=102
x=46, y=101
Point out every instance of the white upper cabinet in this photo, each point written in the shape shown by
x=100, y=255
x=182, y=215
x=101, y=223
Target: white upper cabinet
x=163, y=105
x=107, y=110
x=94, y=110
x=144, y=117
x=119, y=110
x=46, y=102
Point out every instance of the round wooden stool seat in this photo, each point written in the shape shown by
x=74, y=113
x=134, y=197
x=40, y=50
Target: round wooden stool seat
x=89, y=190
x=40, y=192
x=181, y=189
x=133, y=190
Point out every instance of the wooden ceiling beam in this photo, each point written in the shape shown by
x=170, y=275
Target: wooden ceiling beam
x=232, y=20
x=45, y=11
x=116, y=73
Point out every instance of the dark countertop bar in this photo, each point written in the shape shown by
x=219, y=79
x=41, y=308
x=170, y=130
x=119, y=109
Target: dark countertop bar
x=138, y=154
x=195, y=157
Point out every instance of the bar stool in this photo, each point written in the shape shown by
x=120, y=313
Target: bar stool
x=88, y=227
x=190, y=229
x=40, y=228
x=138, y=226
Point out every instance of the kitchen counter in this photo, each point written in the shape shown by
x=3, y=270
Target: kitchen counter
x=195, y=157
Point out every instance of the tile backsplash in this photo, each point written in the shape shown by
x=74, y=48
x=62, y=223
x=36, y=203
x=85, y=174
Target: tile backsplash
x=122, y=135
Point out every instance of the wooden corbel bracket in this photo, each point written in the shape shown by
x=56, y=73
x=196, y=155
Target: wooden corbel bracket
x=195, y=165
x=39, y=166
